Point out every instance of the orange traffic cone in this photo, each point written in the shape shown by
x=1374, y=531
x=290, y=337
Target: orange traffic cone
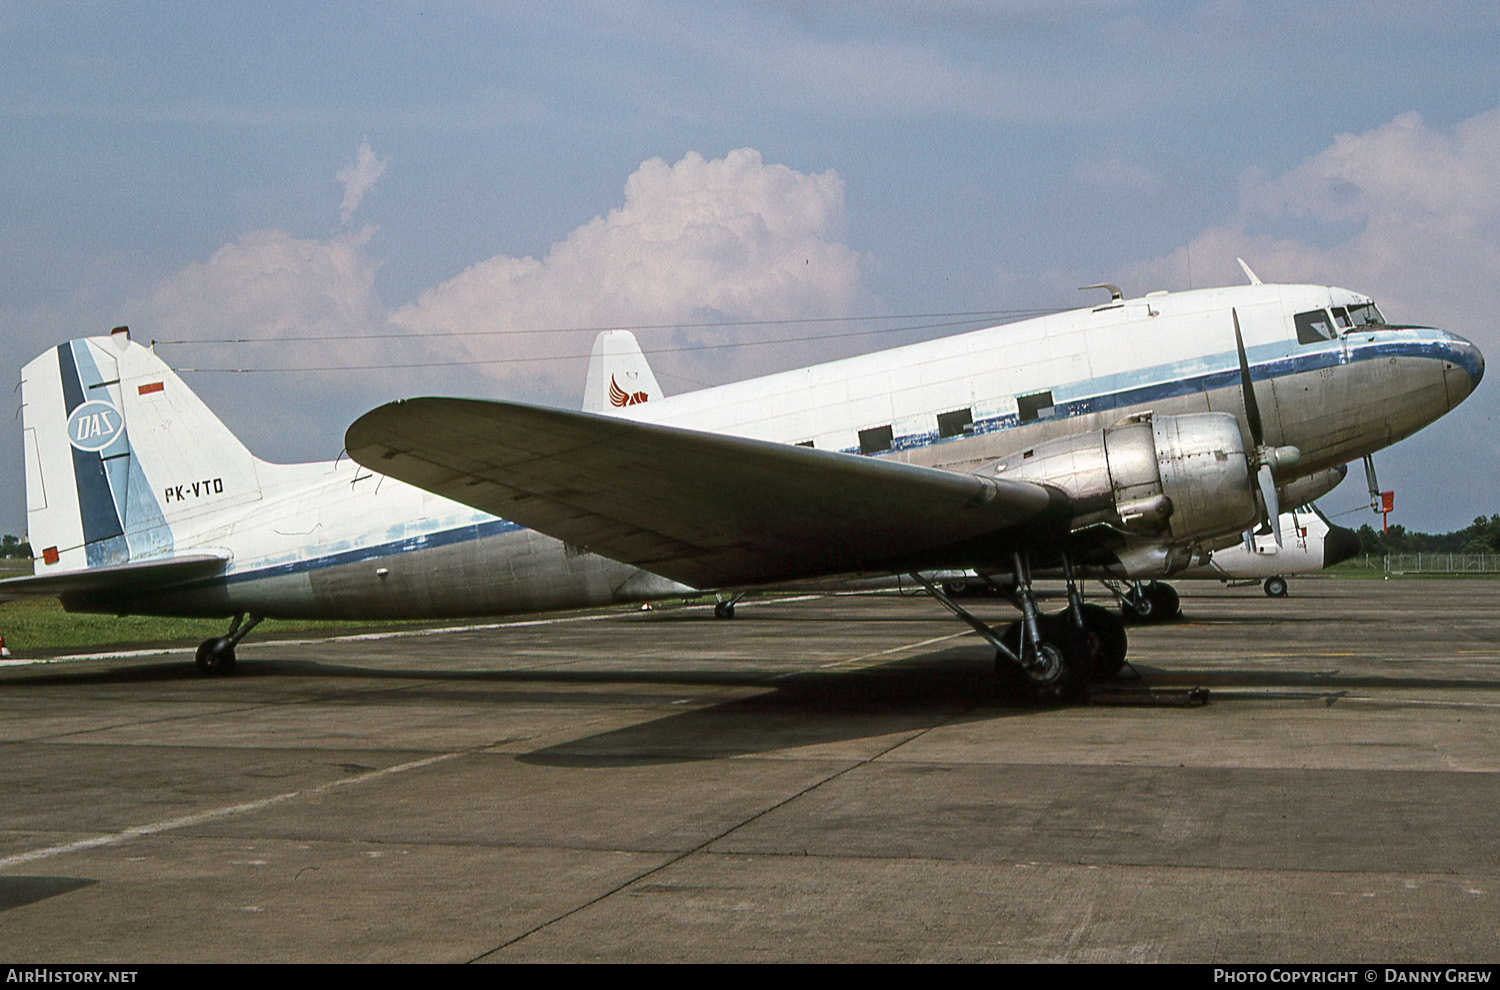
x=3, y=651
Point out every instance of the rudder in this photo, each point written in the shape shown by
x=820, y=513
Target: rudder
x=123, y=462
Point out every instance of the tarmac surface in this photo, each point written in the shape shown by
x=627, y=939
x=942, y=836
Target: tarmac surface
x=816, y=780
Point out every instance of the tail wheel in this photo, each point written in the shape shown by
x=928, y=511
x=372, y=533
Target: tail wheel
x=215, y=657
x=1275, y=587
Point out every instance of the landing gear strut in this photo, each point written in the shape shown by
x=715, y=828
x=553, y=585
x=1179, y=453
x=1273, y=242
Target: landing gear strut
x=216, y=656
x=1047, y=658
x=724, y=608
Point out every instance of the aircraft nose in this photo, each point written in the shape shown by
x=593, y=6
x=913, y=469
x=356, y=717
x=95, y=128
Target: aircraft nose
x=1463, y=368
x=1339, y=545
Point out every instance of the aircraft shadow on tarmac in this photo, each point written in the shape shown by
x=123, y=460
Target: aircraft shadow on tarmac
x=818, y=707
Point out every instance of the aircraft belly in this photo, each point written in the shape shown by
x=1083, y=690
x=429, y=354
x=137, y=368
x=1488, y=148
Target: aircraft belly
x=518, y=571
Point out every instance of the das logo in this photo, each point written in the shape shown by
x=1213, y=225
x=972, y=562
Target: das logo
x=618, y=397
x=94, y=425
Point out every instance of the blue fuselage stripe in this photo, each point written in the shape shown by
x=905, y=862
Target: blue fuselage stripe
x=1095, y=399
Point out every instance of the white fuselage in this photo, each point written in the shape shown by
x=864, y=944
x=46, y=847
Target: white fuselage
x=335, y=540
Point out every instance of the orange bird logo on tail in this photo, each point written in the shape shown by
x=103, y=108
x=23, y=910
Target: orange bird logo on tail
x=619, y=398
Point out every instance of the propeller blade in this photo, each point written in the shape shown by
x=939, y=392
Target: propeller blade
x=1272, y=502
x=1247, y=387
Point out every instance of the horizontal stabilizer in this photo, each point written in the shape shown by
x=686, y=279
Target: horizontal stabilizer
x=141, y=576
x=702, y=508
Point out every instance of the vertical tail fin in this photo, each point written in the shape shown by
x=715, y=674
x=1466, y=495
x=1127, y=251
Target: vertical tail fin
x=123, y=461
x=618, y=374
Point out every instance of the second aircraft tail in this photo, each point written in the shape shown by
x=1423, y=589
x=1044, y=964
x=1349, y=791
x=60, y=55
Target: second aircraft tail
x=618, y=374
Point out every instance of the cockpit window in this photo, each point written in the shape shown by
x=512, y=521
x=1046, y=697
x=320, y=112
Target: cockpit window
x=1314, y=327
x=1341, y=318
x=1366, y=315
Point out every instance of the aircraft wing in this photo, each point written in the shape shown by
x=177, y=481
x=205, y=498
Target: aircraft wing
x=702, y=508
x=118, y=577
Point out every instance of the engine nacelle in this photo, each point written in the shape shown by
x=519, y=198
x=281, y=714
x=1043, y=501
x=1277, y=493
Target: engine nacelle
x=1304, y=490
x=1185, y=476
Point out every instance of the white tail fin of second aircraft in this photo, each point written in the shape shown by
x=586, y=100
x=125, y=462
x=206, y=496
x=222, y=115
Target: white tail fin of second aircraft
x=618, y=374
x=123, y=462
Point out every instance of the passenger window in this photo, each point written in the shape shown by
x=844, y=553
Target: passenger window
x=1314, y=327
x=956, y=423
x=875, y=439
x=1034, y=407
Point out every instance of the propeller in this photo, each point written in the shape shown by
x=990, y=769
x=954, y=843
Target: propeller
x=1265, y=458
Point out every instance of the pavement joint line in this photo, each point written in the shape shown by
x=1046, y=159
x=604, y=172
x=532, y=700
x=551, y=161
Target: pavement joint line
x=881, y=653
x=204, y=817
x=700, y=847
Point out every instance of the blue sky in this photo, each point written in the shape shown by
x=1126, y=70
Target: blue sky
x=373, y=171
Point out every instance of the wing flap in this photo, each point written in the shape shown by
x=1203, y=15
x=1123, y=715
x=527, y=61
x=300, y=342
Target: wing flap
x=706, y=509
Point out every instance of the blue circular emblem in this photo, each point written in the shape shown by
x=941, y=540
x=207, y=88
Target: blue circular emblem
x=94, y=425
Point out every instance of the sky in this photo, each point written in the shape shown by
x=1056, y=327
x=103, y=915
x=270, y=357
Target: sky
x=316, y=208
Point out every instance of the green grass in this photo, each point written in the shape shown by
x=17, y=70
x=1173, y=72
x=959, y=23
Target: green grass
x=40, y=627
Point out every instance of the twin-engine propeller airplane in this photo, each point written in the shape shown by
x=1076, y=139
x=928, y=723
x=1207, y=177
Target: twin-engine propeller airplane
x=1125, y=440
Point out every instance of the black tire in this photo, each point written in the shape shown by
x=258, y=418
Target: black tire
x=1167, y=605
x=1100, y=646
x=1061, y=680
x=215, y=657
x=1275, y=587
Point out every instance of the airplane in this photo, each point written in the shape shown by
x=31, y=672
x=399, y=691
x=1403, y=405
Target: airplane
x=1124, y=439
x=1310, y=542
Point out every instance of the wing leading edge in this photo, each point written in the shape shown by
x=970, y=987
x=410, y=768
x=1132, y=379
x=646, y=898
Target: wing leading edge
x=705, y=509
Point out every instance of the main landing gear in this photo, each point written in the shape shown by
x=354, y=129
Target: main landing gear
x=216, y=656
x=1048, y=659
x=1148, y=603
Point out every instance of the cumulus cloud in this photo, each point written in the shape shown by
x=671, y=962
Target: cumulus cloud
x=697, y=241
x=1410, y=214
x=728, y=239
x=358, y=179
x=1406, y=212
x=270, y=284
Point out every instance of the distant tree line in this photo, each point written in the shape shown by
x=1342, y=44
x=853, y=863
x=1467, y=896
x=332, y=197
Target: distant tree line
x=1480, y=536
x=11, y=546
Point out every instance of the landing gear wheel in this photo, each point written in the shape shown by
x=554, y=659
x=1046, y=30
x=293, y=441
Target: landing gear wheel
x=723, y=610
x=1100, y=646
x=1055, y=678
x=215, y=657
x=1168, y=603
x=1151, y=603
x=1275, y=587
x=1137, y=605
